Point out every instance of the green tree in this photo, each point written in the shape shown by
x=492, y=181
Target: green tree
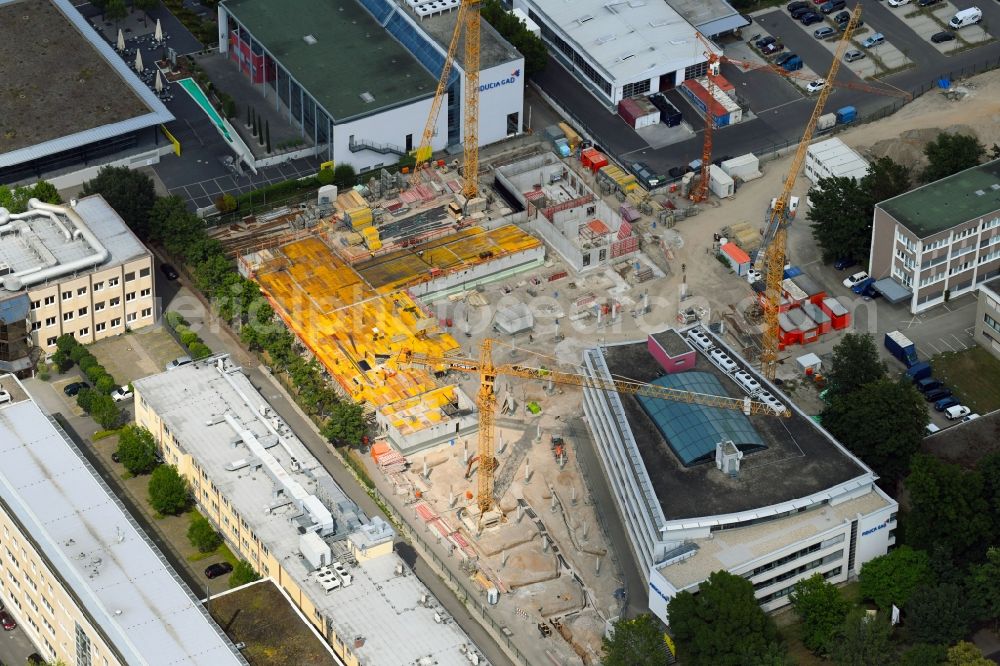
x=966, y=654
x=951, y=153
x=636, y=642
x=855, y=363
x=105, y=384
x=66, y=343
x=115, y=10
x=722, y=625
x=882, y=422
x=885, y=179
x=983, y=589
x=168, y=491
x=130, y=193
x=243, y=573
x=347, y=424
x=343, y=175
x=841, y=223
x=202, y=535
x=821, y=610
x=516, y=32
x=938, y=613
x=46, y=191
x=923, y=654
x=865, y=641
x=892, y=578
x=324, y=176
x=947, y=509
x=989, y=469
x=137, y=449
x=104, y=410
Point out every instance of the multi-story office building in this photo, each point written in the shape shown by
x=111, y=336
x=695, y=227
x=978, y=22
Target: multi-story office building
x=940, y=240
x=701, y=489
x=74, y=269
x=77, y=573
x=987, y=330
x=280, y=510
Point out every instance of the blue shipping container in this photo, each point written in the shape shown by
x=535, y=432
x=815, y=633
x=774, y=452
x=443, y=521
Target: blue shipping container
x=847, y=114
x=792, y=271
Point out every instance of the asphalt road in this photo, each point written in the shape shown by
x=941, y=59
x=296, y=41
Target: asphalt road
x=780, y=117
x=15, y=646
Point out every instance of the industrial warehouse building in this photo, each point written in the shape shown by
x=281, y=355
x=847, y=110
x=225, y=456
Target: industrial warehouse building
x=63, y=121
x=940, y=240
x=622, y=49
x=81, y=578
x=832, y=158
x=358, y=76
x=68, y=269
x=701, y=489
x=280, y=510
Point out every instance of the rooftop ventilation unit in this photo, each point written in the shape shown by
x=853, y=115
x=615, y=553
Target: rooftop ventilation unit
x=583, y=19
x=309, y=39
x=659, y=23
x=367, y=97
x=605, y=39
x=625, y=57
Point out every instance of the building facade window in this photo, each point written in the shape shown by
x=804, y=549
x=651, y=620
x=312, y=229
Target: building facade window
x=637, y=88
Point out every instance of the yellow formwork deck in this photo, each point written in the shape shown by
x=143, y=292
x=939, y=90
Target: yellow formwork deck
x=415, y=414
x=468, y=247
x=355, y=332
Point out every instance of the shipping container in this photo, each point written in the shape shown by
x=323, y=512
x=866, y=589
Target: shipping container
x=901, y=347
x=846, y=114
x=737, y=259
x=638, y=112
x=571, y=136
x=592, y=159
x=719, y=182
x=826, y=121
x=704, y=102
x=745, y=167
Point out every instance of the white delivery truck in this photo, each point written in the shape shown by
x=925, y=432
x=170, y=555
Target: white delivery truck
x=965, y=17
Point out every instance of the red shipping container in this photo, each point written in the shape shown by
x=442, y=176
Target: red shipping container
x=839, y=316
x=716, y=109
x=629, y=111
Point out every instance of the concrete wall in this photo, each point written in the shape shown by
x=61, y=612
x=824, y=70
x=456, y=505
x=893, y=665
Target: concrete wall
x=388, y=127
x=501, y=92
x=484, y=273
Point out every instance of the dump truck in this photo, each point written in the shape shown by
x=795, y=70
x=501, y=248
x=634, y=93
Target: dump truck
x=902, y=348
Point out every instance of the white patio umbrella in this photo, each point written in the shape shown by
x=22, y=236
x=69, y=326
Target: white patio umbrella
x=138, y=61
x=121, y=40
x=158, y=33
x=159, y=82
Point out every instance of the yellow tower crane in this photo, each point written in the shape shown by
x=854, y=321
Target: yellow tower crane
x=486, y=401
x=467, y=22
x=775, y=235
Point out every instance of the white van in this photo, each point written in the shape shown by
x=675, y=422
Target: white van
x=965, y=17
x=700, y=340
x=721, y=359
x=747, y=382
x=956, y=412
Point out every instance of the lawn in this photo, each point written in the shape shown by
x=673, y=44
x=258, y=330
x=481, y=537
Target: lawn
x=973, y=375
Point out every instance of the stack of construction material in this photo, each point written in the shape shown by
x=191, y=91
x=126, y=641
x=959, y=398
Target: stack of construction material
x=745, y=236
x=618, y=177
x=356, y=210
x=388, y=459
x=371, y=238
x=643, y=273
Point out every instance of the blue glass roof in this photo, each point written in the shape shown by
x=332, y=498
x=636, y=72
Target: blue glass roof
x=692, y=431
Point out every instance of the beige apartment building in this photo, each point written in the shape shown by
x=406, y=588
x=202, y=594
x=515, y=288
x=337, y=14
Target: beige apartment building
x=74, y=268
x=77, y=574
x=281, y=511
x=940, y=240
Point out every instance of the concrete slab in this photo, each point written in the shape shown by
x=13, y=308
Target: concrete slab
x=659, y=135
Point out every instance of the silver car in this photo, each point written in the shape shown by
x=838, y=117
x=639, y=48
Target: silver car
x=854, y=55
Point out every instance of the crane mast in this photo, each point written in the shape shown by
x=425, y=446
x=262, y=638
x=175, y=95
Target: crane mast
x=776, y=231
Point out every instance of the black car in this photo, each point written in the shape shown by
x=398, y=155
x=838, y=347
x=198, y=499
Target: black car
x=927, y=3
x=937, y=394
x=944, y=36
x=772, y=48
x=677, y=172
x=74, y=388
x=809, y=19
x=168, y=271
x=718, y=162
x=801, y=11
x=783, y=58
x=844, y=263
x=842, y=17
x=764, y=41
x=218, y=569
x=798, y=4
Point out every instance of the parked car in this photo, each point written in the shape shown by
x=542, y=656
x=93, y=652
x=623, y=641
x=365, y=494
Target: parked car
x=927, y=3
x=937, y=394
x=121, y=394
x=218, y=569
x=764, y=41
x=168, y=271
x=853, y=55
x=844, y=263
x=809, y=19
x=952, y=413
x=802, y=11
x=72, y=389
x=930, y=429
x=7, y=621
x=943, y=36
x=5, y=396
x=945, y=403
x=792, y=6
x=817, y=85
x=898, y=3
x=647, y=177
x=874, y=40
x=824, y=32
x=870, y=292
x=831, y=6
x=842, y=17
x=852, y=280
x=178, y=362
x=783, y=58
x=970, y=417
x=677, y=172
x=772, y=48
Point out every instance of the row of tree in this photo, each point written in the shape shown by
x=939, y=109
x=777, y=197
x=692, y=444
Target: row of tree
x=842, y=208
x=95, y=401
x=516, y=32
x=166, y=222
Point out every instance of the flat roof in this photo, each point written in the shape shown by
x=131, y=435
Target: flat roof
x=629, y=40
x=800, y=458
x=379, y=605
x=64, y=86
x=22, y=251
x=493, y=48
x=352, y=54
x=672, y=342
x=945, y=203
x=966, y=443
x=91, y=542
x=733, y=548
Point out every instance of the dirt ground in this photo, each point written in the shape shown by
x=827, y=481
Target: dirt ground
x=136, y=354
